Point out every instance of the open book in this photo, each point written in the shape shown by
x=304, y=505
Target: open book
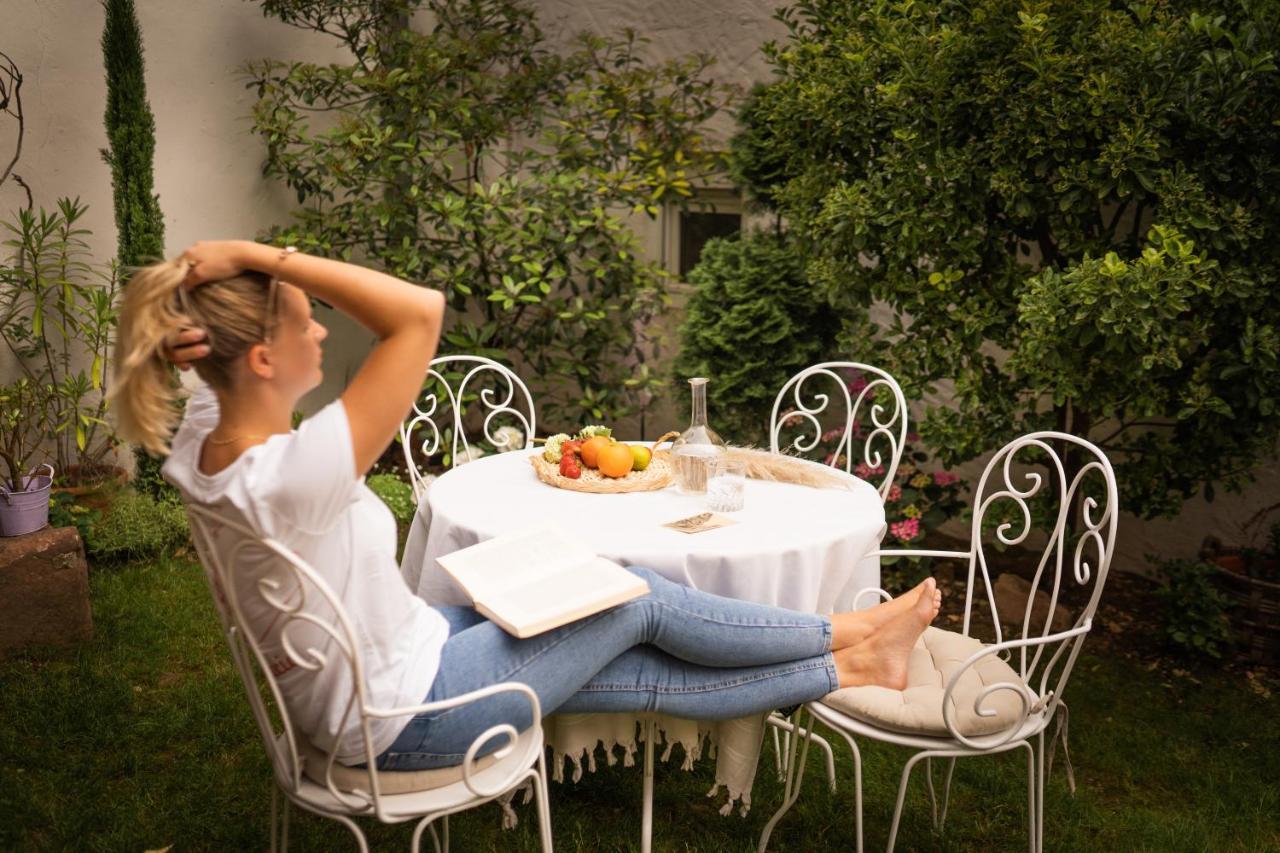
x=540, y=578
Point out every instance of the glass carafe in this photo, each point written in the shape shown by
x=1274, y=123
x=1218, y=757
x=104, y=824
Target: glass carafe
x=697, y=447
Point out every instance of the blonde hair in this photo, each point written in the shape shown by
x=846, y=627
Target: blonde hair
x=156, y=305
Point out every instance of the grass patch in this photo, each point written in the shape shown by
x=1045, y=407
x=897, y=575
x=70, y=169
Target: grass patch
x=141, y=739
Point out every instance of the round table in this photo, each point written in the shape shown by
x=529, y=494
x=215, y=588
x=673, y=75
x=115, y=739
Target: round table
x=791, y=546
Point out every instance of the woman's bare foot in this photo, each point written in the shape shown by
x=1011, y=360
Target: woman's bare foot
x=851, y=628
x=881, y=659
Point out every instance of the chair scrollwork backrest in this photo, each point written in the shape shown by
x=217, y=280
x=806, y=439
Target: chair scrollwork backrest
x=1070, y=485
x=310, y=629
x=867, y=393
x=456, y=384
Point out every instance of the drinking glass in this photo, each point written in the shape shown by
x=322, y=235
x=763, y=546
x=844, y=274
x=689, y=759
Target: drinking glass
x=726, y=485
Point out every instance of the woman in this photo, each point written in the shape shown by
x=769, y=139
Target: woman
x=257, y=347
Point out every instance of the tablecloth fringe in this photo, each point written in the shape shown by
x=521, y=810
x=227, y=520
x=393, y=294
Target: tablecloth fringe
x=743, y=798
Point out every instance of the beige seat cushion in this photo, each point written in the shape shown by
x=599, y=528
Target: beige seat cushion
x=389, y=781
x=917, y=710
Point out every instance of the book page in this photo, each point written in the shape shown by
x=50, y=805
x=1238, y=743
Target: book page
x=537, y=579
x=523, y=558
x=562, y=598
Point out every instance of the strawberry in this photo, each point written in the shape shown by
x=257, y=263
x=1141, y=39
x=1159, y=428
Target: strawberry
x=569, y=466
x=570, y=448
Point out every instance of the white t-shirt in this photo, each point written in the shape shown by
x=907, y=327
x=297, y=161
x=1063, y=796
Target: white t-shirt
x=301, y=489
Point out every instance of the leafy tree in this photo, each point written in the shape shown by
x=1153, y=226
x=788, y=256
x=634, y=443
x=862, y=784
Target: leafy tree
x=751, y=324
x=1071, y=210
x=471, y=158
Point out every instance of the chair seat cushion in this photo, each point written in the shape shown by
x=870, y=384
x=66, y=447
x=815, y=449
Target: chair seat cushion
x=389, y=781
x=917, y=710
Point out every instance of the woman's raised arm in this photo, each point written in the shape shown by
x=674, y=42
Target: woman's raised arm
x=406, y=318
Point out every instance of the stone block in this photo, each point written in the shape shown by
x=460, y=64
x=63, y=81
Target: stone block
x=44, y=590
x=1011, y=593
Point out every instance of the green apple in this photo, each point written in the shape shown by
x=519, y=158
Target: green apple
x=642, y=455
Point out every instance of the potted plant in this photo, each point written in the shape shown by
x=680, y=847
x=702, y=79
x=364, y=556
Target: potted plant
x=1250, y=575
x=58, y=318
x=24, y=493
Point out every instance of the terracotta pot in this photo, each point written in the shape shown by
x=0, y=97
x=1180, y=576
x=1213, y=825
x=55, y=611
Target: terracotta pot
x=1230, y=562
x=107, y=476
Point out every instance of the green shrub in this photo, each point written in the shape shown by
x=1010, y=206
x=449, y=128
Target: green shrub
x=65, y=512
x=1076, y=186
x=395, y=493
x=137, y=525
x=752, y=323
x=1195, y=609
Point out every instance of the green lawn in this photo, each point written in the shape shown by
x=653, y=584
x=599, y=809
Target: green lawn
x=140, y=740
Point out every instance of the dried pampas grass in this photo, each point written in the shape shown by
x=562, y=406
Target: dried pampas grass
x=778, y=468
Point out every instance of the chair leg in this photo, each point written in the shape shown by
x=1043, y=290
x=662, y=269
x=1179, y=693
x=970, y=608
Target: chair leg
x=777, y=749
x=284, y=825
x=794, y=777
x=444, y=829
x=646, y=809
x=933, y=798
x=1040, y=797
x=1031, y=797
x=857, y=785
x=424, y=825
x=544, y=804
x=776, y=722
x=902, y=796
x=355, y=830
x=946, y=794
x=940, y=815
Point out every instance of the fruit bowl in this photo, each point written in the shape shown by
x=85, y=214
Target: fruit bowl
x=658, y=475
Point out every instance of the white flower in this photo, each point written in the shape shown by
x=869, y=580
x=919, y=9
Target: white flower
x=468, y=454
x=554, y=445
x=508, y=438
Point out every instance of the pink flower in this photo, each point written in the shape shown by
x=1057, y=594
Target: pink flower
x=857, y=430
x=857, y=383
x=895, y=492
x=831, y=435
x=831, y=459
x=945, y=478
x=906, y=530
x=913, y=437
x=866, y=472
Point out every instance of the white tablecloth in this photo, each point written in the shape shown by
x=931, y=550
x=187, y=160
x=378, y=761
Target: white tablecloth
x=793, y=546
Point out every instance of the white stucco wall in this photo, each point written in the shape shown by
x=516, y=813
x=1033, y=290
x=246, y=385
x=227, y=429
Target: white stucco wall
x=208, y=163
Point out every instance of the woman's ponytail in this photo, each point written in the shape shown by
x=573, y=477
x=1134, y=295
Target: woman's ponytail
x=143, y=392
x=231, y=311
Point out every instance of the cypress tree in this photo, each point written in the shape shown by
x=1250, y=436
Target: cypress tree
x=131, y=134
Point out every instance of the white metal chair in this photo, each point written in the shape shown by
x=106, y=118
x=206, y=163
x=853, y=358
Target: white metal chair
x=884, y=439
x=887, y=429
x=315, y=633
x=500, y=394
x=1069, y=473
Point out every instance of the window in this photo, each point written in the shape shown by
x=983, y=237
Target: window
x=711, y=213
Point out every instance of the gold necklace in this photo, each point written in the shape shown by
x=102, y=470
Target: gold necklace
x=221, y=441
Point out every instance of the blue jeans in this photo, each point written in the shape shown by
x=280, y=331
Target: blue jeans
x=677, y=651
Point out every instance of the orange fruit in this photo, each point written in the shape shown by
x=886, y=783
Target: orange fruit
x=615, y=460
x=591, y=448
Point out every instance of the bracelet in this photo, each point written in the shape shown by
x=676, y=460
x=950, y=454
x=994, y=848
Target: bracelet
x=284, y=255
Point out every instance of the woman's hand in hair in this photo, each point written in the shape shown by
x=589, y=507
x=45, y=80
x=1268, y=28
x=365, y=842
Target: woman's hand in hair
x=213, y=260
x=185, y=346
